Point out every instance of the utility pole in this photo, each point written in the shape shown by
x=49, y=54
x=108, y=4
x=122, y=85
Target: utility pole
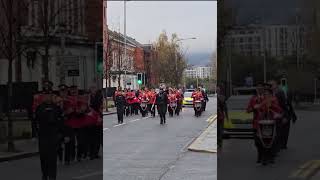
x=264, y=67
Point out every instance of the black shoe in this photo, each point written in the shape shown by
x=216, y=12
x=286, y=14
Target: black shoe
x=258, y=161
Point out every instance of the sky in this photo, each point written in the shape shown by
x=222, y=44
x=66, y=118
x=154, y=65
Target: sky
x=147, y=19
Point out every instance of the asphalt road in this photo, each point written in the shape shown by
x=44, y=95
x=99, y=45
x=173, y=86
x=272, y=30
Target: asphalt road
x=299, y=161
x=29, y=169
x=142, y=149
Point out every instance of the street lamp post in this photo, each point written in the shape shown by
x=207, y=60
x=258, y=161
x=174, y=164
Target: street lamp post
x=264, y=68
x=125, y=41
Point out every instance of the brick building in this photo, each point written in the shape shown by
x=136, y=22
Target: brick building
x=150, y=57
x=74, y=28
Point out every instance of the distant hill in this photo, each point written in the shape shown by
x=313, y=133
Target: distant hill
x=198, y=58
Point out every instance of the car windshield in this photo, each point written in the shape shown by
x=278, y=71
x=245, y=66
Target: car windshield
x=187, y=94
x=238, y=102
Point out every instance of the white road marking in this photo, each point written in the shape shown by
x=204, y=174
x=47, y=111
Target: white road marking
x=88, y=175
x=105, y=129
x=135, y=120
x=119, y=125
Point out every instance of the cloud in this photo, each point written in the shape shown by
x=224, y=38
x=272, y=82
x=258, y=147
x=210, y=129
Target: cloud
x=146, y=20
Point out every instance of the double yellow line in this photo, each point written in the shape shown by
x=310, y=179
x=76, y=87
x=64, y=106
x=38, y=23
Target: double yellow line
x=212, y=118
x=307, y=170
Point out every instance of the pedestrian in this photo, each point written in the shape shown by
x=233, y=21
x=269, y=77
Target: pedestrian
x=96, y=129
x=49, y=120
x=285, y=101
x=222, y=114
x=162, y=103
x=205, y=98
x=120, y=102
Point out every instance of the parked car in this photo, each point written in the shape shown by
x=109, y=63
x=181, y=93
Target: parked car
x=187, y=100
x=240, y=122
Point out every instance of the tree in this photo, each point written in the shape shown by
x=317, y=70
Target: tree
x=52, y=20
x=171, y=62
x=225, y=20
x=11, y=14
x=213, y=65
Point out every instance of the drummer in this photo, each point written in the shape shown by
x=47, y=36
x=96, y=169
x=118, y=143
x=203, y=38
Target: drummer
x=269, y=109
x=254, y=102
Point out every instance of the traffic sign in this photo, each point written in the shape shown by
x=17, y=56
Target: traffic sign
x=73, y=73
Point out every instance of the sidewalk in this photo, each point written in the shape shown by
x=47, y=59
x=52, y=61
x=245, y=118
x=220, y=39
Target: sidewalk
x=316, y=176
x=207, y=141
x=25, y=148
x=111, y=111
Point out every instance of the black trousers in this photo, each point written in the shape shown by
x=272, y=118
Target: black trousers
x=179, y=106
x=82, y=135
x=96, y=136
x=120, y=112
x=204, y=105
x=143, y=112
x=284, y=135
x=70, y=147
x=219, y=133
x=48, y=147
x=170, y=110
x=258, y=145
x=136, y=108
x=152, y=111
x=196, y=112
x=162, y=109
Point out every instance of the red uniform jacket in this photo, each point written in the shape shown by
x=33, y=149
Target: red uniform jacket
x=143, y=96
x=76, y=105
x=250, y=108
x=197, y=96
x=172, y=98
x=130, y=97
x=152, y=97
x=37, y=100
x=179, y=96
x=267, y=111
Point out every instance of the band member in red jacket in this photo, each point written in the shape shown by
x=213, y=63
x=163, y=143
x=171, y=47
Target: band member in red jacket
x=135, y=102
x=71, y=124
x=269, y=109
x=197, y=96
x=143, y=98
x=179, y=96
x=172, y=98
x=252, y=107
x=152, y=101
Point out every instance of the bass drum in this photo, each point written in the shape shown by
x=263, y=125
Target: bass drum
x=267, y=132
